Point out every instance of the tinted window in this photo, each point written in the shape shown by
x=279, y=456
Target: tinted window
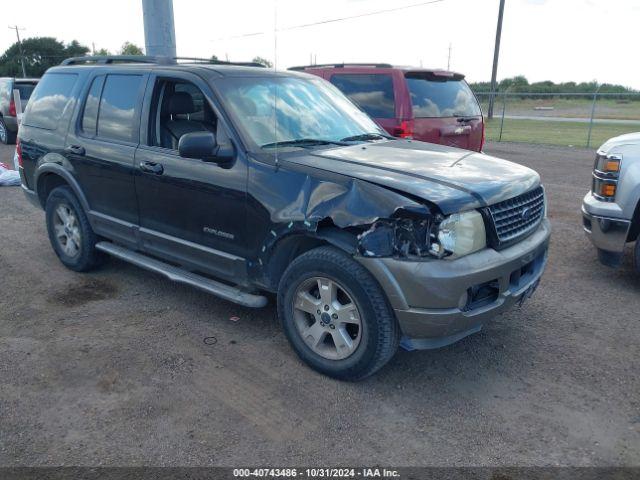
x=25, y=89
x=433, y=96
x=49, y=100
x=90, y=114
x=116, y=119
x=372, y=93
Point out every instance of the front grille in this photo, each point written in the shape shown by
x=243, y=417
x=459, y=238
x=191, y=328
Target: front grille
x=517, y=217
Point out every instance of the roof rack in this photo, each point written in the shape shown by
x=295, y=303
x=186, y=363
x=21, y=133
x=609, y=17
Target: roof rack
x=109, y=59
x=220, y=62
x=343, y=65
x=106, y=59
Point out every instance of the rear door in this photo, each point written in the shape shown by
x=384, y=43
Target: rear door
x=373, y=92
x=101, y=149
x=445, y=110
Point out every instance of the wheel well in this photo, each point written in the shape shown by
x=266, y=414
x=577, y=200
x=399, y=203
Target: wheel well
x=46, y=183
x=286, y=250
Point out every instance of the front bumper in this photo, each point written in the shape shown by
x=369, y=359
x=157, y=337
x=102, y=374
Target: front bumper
x=439, y=302
x=607, y=233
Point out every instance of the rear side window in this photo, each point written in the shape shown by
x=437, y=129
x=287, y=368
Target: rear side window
x=433, y=96
x=117, y=113
x=25, y=89
x=49, y=100
x=372, y=93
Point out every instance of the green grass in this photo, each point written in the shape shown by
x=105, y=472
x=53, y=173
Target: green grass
x=579, y=107
x=555, y=133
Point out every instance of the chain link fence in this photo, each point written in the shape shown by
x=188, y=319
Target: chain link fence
x=568, y=119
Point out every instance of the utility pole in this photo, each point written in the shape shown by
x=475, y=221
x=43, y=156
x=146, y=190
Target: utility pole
x=449, y=58
x=15, y=27
x=496, y=55
x=159, y=28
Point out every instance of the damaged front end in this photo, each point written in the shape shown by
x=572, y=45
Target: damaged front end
x=414, y=236
x=361, y=218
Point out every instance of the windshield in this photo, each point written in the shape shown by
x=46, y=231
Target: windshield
x=433, y=97
x=305, y=109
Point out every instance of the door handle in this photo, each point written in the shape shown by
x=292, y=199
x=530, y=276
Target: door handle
x=75, y=150
x=152, y=167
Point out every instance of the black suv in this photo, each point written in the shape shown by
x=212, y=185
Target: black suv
x=242, y=181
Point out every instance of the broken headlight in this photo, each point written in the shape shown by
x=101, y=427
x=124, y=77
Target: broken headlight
x=460, y=234
x=453, y=236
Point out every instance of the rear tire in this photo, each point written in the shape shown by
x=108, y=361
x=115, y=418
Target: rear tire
x=70, y=233
x=636, y=255
x=336, y=316
x=6, y=136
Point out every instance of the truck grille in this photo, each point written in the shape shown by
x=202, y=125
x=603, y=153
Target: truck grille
x=517, y=217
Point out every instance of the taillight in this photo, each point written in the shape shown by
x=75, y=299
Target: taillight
x=12, y=108
x=483, y=136
x=19, y=152
x=404, y=130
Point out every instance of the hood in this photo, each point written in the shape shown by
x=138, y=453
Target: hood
x=453, y=179
x=628, y=139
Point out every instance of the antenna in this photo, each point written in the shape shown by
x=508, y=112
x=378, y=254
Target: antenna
x=275, y=68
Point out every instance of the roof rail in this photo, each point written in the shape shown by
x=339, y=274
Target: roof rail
x=108, y=59
x=219, y=62
x=105, y=59
x=343, y=65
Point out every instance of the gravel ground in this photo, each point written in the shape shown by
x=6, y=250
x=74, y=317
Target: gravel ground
x=111, y=367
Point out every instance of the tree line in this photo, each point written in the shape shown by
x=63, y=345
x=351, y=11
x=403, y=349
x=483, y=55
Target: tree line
x=520, y=84
x=41, y=53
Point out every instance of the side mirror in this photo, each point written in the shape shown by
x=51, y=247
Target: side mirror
x=203, y=146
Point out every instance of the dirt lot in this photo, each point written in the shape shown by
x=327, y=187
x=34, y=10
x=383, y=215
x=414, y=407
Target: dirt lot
x=111, y=367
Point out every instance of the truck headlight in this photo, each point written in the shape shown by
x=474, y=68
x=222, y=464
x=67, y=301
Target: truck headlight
x=460, y=234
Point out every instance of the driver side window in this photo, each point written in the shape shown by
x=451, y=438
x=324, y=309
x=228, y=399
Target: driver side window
x=178, y=108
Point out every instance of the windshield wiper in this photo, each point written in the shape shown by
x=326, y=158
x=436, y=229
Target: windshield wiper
x=303, y=142
x=365, y=137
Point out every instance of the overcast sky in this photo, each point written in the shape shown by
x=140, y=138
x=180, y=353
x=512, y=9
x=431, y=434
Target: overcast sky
x=557, y=40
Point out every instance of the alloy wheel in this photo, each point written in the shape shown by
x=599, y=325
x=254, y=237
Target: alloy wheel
x=327, y=318
x=3, y=132
x=67, y=230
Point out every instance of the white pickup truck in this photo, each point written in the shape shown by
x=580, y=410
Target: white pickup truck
x=611, y=210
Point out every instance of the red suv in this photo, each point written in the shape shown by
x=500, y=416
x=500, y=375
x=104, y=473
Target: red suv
x=430, y=105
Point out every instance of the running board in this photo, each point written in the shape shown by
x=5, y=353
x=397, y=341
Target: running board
x=177, y=274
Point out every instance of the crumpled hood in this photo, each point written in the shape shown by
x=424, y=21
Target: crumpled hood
x=453, y=179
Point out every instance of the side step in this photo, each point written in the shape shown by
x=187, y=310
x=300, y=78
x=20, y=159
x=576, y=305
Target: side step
x=183, y=276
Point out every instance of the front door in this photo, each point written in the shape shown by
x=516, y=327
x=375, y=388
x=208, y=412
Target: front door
x=192, y=212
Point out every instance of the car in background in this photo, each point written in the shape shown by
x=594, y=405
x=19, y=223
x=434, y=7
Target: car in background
x=8, y=113
x=611, y=210
x=434, y=106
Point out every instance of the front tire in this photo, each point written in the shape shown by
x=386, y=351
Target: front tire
x=70, y=233
x=336, y=315
x=636, y=255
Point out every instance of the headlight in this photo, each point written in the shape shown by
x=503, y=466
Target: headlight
x=605, y=176
x=454, y=236
x=461, y=234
